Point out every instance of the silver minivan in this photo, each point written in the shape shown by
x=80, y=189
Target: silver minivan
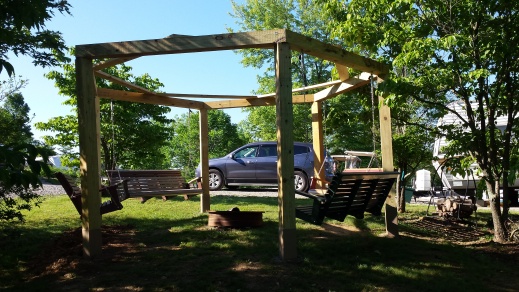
x=255, y=164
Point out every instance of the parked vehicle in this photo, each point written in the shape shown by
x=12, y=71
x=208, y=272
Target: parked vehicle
x=255, y=164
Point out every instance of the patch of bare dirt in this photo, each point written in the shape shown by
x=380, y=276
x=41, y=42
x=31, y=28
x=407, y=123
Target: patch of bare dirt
x=461, y=233
x=66, y=252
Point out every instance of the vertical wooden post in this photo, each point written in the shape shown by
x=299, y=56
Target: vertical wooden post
x=89, y=151
x=285, y=151
x=317, y=137
x=386, y=146
x=205, y=202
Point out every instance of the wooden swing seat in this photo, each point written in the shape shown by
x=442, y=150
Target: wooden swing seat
x=349, y=193
x=153, y=183
x=74, y=193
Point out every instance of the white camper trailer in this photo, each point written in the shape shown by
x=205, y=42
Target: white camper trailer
x=459, y=183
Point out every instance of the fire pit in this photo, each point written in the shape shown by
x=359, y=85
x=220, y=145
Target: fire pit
x=235, y=219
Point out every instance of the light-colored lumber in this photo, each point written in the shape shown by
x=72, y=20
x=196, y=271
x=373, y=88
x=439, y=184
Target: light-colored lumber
x=148, y=98
x=342, y=87
x=285, y=164
x=334, y=54
x=193, y=95
x=318, y=145
x=89, y=154
x=343, y=72
x=305, y=88
x=183, y=44
x=205, y=203
x=119, y=81
x=112, y=62
x=269, y=101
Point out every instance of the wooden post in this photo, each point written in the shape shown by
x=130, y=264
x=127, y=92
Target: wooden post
x=386, y=147
x=317, y=137
x=89, y=151
x=285, y=151
x=205, y=202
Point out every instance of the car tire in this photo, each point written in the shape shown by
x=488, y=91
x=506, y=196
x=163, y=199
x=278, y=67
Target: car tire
x=215, y=180
x=300, y=181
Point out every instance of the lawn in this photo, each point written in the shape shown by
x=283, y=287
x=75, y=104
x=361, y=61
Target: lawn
x=167, y=246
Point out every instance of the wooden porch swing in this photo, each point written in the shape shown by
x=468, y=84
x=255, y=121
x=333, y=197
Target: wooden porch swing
x=352, y=191
x=349, y=193
x=74, y=193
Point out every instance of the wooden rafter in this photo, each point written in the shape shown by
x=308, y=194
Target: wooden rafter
x=342, y=87
x=268, y=101
x=148, y=98
x=183, y=95
x=231, y=41
x=343, y=72
x=112, y=62
x=119, y=81
x=333, y=53
x=305, y=88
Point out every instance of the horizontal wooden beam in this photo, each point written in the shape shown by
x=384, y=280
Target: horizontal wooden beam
x=305, y=88
x=184, y=95
x=334, y=54
x=148, y=98
x=267, y=101
x=117, y=61
x=183, y=44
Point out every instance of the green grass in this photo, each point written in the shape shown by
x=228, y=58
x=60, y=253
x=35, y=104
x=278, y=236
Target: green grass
x=168, y=247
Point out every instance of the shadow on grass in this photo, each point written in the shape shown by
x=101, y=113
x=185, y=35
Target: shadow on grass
x=167, y=253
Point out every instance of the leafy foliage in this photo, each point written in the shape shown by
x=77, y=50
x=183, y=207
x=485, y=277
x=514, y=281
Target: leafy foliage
x=132, y=134
x=22, y=31
x=17, y=181
x=299, y=16
x=445, y=53
x=185, y=146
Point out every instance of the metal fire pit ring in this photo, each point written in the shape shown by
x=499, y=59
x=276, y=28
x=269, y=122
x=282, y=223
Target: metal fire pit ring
x=235, y=219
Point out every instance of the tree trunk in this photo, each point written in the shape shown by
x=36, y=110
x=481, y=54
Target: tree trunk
x=400, y=196
x=495, y=208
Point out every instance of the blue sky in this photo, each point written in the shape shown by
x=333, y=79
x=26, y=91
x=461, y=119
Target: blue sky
x=97, y=21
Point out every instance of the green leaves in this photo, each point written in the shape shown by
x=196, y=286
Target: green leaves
x=22, y=33
x=18, y=181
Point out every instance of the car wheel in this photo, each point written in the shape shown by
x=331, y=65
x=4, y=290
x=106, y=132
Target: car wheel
x=301, y=181
x=215, y=180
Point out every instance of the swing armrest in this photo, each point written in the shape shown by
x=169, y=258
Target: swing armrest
x=123, y=182
x=321, y=199
x=112, y=190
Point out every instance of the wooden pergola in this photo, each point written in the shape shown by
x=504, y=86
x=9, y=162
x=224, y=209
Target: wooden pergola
x=282, y=41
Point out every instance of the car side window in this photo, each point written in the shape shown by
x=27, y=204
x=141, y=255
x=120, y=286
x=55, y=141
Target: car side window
x=246, y=152
x=267, y=151
x=300, y=149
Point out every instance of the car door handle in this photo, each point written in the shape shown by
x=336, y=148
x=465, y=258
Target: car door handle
x=250, y=161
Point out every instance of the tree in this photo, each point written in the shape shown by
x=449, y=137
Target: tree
x=22, y=32
x=17, y=149
x=132, y=134
x=300, y=16
x=14, y=113
x=442, y=52
x=223, y=138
